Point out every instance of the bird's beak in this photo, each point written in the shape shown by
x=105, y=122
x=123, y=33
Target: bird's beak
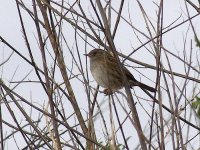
x=86, y=54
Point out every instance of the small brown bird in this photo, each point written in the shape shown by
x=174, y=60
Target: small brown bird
x=106, y=72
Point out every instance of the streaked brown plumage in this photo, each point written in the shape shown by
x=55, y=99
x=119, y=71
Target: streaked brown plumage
x=107, y=74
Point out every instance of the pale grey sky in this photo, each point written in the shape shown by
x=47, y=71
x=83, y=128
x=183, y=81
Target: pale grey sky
x=126, y=41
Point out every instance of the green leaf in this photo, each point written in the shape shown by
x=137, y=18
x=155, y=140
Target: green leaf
x=197, y=41
x=197, y=98
x=195, y=104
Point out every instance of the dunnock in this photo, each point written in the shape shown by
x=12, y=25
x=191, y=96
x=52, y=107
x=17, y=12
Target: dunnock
x=106, y=72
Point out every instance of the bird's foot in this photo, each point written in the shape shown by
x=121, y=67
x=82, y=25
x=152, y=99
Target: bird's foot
x=108, y=92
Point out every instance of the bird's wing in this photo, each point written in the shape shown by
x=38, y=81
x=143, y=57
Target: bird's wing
x=113, y=62
x=129, y=74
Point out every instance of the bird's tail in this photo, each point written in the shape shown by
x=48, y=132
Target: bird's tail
x=144, y=86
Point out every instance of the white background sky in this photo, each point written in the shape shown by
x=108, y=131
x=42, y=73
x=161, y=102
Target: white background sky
x=125, y=41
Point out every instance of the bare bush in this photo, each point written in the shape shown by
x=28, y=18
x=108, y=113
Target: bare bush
x=49, y=99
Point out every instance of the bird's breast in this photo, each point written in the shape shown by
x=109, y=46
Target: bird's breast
x=99, y=73
x=106, y=77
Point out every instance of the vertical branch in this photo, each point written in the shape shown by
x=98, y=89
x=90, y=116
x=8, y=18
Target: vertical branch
x=48, y=84
x=1, y=120
x=158, y=63
x=127, y=88
x=61, y=64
